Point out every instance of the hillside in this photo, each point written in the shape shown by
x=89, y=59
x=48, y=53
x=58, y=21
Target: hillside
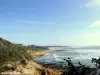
x=18, y=58
x=10, y=51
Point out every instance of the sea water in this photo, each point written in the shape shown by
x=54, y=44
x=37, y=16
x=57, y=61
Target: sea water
x=57, y=57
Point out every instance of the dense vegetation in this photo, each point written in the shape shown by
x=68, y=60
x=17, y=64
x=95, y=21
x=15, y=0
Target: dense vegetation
x=13, y=52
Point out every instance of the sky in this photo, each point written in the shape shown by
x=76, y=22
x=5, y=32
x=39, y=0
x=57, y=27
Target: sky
x=51, y=22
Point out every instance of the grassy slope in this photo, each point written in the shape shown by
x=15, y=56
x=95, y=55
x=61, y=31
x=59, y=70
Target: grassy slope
x=12, y=54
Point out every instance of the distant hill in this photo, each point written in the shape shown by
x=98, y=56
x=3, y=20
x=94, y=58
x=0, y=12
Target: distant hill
x=87, y=47
x=92, y=47
x=57, y=46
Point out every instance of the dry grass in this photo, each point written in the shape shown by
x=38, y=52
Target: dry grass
x=35, y=69
x=32, y=68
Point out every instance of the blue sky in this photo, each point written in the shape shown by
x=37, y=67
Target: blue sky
x=51, y=22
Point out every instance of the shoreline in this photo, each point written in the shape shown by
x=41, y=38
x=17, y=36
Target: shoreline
x=30, y=67
x=41, y=68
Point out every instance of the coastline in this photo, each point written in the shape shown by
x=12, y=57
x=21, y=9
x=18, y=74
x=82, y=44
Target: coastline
x=38, y=68
x=29, y=67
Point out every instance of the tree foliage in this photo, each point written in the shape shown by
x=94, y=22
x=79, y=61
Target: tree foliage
x=82, y=69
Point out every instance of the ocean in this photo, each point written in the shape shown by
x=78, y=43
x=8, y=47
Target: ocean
x=56, y=57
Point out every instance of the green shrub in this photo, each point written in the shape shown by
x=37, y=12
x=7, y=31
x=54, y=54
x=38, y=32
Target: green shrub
x=13, y=52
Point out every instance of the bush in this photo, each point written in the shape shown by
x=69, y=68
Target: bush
x=13, y=52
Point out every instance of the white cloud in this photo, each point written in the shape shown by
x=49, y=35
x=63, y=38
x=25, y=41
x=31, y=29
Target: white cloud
x=95, y=24
x=88, y=37
x=93, y=4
